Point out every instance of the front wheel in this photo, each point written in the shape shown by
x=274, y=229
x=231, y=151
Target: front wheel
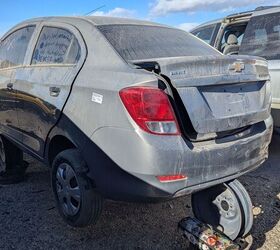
x=78, y=203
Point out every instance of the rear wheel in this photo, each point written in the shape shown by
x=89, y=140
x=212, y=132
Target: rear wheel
x=12, y=166
x=76, y=199
x=227, y=207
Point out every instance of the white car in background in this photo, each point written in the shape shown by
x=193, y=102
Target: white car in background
x=255, y=33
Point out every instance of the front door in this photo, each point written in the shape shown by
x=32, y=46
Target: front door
x=44, y=85
x=12, y=53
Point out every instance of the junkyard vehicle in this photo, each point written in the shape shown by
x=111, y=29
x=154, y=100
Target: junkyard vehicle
x=132, y=110
x=254, y=33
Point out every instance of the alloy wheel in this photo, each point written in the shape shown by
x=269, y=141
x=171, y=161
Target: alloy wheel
x=68, y=190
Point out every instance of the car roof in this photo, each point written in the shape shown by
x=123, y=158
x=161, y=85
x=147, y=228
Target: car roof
x=261, y=10
x=209, y=23
x=95, y=20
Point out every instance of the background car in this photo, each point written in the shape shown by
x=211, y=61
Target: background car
x=254, y=33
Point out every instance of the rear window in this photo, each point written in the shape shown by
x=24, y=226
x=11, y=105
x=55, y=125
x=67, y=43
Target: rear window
x=136, y=42
x=262, y=37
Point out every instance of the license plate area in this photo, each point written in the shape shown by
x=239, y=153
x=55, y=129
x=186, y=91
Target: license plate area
x=234, y=100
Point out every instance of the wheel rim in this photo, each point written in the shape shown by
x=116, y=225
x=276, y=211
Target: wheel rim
x=2, y=157
x=246, y=204
x=219, y=207
x=68, y=190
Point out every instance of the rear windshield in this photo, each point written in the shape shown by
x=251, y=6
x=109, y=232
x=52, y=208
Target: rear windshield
x=136, y=42
x=262, y=37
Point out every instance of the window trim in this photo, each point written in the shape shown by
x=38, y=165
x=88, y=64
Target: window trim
x=13, y=31
x=54, y=64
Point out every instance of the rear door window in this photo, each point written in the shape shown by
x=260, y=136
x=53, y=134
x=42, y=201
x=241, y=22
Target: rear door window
x=56, y=46
x=205, y=33
x=13, y=48
x=262, y=37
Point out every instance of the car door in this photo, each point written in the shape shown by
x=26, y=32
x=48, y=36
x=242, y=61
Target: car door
x=262, y=38
x=44, y=84
x=13, y=49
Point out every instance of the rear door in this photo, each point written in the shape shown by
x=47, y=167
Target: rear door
x=44, y=84
x=262, y=38
x=12, y=54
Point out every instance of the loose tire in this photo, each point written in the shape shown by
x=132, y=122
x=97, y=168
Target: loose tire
x=227, y=207
x=12, y=166
x=77, y=202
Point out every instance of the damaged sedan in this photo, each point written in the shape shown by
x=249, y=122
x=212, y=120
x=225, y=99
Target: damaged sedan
x=132, y=110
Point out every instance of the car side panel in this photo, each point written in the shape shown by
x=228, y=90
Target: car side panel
x=8, y=113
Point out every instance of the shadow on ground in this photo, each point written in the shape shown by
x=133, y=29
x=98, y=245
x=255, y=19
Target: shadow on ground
x=28, y=219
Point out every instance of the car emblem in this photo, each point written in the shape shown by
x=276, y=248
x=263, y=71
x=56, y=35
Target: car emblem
x=237, y=67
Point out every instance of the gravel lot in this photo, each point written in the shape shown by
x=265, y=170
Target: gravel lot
x=28, y=219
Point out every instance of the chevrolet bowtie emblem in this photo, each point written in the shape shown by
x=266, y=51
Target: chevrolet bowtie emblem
x=237, y=67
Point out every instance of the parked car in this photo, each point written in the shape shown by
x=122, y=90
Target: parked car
x=254, y=33
x=128, y=110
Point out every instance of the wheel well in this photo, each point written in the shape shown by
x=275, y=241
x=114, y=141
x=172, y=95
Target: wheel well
x=58, y=144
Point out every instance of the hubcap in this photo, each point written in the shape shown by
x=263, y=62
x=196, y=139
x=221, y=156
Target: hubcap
x=68, y=190
x=2, y=157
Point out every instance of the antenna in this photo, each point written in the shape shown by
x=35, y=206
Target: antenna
x=102, y=6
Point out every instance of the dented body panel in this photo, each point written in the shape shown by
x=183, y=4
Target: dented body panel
x=224, y=100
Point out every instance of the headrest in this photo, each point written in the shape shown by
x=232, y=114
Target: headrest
x=232, y=39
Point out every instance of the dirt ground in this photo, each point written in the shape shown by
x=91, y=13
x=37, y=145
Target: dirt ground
x=28, y=219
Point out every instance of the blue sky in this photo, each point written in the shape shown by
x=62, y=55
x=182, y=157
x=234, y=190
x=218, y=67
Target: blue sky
x=179, y=13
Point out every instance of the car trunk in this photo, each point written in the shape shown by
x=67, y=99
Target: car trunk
x=220, y=93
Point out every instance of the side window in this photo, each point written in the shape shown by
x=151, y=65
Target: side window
x=236, y=29
x=262, y=37
x=205, y=33
x=13, y=48
x=56, y=46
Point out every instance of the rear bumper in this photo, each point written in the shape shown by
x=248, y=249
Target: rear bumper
x=133, y=160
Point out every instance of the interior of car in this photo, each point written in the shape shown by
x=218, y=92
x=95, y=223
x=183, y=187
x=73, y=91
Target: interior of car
x=232, y=38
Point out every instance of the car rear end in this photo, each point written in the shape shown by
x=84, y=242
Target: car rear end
x=203, y=121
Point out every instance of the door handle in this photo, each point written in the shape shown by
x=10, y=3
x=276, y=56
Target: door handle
x=54, y=91
x=10, y=86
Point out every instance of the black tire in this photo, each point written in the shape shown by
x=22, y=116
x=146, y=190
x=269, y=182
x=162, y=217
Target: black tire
x=77, y=202
x=12, y=165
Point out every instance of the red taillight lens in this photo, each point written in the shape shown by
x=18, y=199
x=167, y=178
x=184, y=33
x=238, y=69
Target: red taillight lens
x=171, y=178
x=150, y=109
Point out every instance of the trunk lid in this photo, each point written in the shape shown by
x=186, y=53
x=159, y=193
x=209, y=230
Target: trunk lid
x=220, y=93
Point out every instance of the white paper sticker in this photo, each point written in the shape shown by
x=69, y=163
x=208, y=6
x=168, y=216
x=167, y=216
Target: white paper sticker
x=97, y=98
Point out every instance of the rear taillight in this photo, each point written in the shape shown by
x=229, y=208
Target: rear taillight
x=151, y=109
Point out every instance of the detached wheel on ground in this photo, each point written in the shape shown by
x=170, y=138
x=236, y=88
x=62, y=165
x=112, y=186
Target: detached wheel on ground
x=12, y=166
x=227, y=207
x=76, y=199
